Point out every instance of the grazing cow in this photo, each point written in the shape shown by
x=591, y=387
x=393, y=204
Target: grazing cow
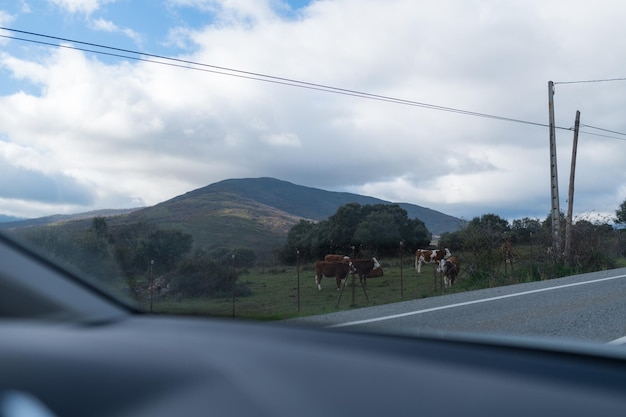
x=339, y=270
x=363, y=267
x=450, y=268
x=376, y=272
x=336, y=258
x=427, y=256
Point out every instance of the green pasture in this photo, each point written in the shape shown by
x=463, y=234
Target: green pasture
x=288, y=291
x=281, y=292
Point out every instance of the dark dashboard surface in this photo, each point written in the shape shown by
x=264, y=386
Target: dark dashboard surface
x=169, y=366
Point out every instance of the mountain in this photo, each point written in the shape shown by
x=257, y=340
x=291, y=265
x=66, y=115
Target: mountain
x=61, y=218
x=258, y=212
x=316, y=204
x=5, y=218
x=249, y=212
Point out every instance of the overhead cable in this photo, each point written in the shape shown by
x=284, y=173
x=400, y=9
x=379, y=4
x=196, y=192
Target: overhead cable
x=187, y=64
x=590, y=81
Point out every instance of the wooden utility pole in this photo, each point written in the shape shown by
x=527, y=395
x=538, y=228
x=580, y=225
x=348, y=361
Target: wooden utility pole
x=298, y=286
x=234, y=284
x=570, y=198
x=401, y=281
x=554, y=180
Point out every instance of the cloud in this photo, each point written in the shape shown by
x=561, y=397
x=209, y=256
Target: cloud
x=5, y=20
x=20, y=183
x=281, y=139
x=86, y=7
x=146, y=132
x=108, y=26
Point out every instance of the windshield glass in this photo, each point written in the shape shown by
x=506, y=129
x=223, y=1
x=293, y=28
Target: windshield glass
x=302, y=160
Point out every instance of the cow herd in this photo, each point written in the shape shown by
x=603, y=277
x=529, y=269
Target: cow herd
x=340, y=266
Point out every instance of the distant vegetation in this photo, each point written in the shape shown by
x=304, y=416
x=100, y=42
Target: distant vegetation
x=139, y=257
x=595, y=246
x=163, y=254
x=160, y=265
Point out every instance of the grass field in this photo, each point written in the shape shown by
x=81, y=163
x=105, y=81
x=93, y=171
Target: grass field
x=282, y=292
x=286, y=292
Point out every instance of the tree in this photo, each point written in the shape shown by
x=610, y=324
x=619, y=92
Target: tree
x=87, y=251
x=378, y=227
x=166, y=248
x=491, y=224
x=342, y=226
x=621, y=213
x=201, y=276
x=593, y=246
x=378, y=230
x=127, y=240
x=137, y=244
x=298, y=239
x=525, y=230
x=416, y=235
x=244, y=258
x=481, y=237
x=100, y=227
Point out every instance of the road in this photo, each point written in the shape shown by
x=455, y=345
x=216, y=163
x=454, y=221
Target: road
x=590, y=307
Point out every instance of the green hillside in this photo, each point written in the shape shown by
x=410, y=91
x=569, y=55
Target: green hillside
x=252, y=213
x=218, y=219
x=316, y=204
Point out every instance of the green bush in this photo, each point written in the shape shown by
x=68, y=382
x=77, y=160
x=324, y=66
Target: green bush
x=203, y=277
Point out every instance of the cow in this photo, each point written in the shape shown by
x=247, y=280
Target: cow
x=376, y=272
x=427, y=256
x=339, y=270
x=336, y=258
x=450, y=268
x=363, y=267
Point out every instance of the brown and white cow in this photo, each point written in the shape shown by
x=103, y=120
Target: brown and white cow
x=339, y=270
x=450, y=268
x=363, y=267
x=336, y=258
x=375, y=273
x=428, y=256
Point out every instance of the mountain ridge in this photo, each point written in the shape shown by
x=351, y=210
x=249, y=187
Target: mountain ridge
x=244, y=212
x=318, y=204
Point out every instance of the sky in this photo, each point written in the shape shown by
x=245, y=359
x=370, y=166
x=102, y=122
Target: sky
x=108, y=104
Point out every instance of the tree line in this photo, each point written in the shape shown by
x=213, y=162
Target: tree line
x=379, y=229
x=376, y=229
x=595, y=245
x=141, y=252
x=130, y=257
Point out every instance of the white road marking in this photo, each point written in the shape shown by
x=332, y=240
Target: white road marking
x=485, y=300
x=620, y=341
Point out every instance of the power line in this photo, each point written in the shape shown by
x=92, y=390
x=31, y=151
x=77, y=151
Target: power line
x=187, y=64
x=590, y=81
x=604, y=130
x=253, y=75
x=592, y=127
x=601, y=135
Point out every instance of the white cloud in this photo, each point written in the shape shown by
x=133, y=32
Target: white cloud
x=86, y=7
x=108, y=26
x=281, y=139
x=5, y=20
x=144, y=132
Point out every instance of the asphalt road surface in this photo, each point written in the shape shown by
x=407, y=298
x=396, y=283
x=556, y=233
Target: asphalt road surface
x=589, y=307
